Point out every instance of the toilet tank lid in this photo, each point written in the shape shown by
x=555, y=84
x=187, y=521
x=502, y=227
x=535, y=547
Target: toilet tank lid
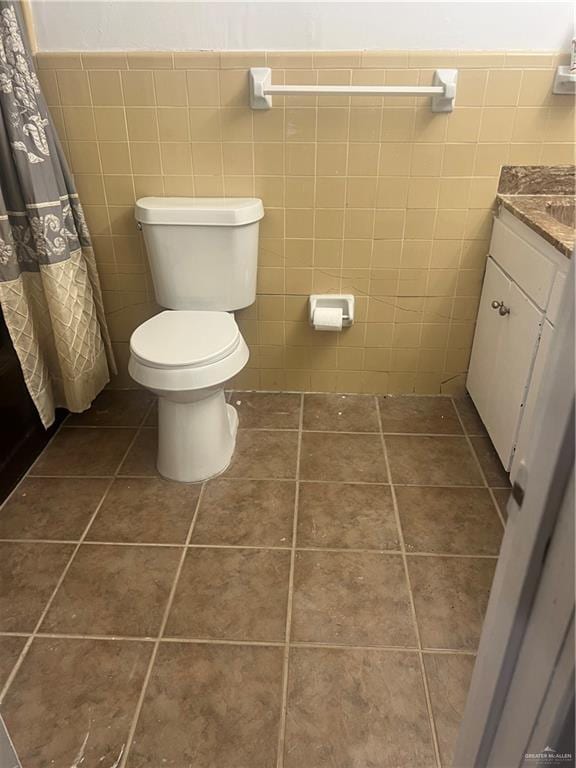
x=199, y=211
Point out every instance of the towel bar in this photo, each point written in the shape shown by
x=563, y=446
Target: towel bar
x=443, y=89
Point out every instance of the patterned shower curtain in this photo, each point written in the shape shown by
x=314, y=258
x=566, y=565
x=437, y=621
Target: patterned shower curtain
x=49, y=289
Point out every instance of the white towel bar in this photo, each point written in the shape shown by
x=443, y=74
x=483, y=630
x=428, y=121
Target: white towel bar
x=443, y=90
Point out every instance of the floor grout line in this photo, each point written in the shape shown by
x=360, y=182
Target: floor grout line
x=163, y=623
x=187, y=546
x=366, y=432
x=27, y=473
x=427, y=696
x=479, y=465
x=68, y=565
x=262, y=479
x=50, y=600
x=286, y=660
x=255, y=643
x=177, y=545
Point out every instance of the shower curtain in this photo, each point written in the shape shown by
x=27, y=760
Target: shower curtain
x=49, y=289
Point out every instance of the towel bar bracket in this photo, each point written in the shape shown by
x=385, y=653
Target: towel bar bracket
x=442, y=90
x=447, y=78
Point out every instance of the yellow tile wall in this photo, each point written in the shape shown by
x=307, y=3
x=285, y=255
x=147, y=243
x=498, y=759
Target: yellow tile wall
x=375, y=196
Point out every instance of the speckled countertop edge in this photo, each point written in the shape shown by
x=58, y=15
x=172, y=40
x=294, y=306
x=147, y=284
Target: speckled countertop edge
x=525, y=190
x=531, y=210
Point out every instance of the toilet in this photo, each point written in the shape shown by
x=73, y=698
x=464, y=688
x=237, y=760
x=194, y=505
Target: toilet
x=203, y=256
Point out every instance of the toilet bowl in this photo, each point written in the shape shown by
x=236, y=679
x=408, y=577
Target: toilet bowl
x=186, y=358
x=203, y=256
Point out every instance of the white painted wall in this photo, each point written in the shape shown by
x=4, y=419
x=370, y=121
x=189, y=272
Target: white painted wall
x=93, y=25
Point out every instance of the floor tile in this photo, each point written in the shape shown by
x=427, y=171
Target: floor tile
x=210, y=706
x=356, y=708
x=10, y=648
x=114, y=591
x=267, y=410
x=448, y=681
x=431, y=461
x=115, y=408
x=28, y=575
x=450, y=596
x=51, y=508
x=141, y=458
x=346, y=515
x=84, y=451
x=470, y=417
x=231, y=594
x=496, y=475
x=264, y=454
x=453, y=521
x=145, y=510
x=72, y=701
x=257, y=513
x=502, y=496
x=345, y=458
x=340, y=413
x=351, y=598
x=152, y=418
x=431, y=415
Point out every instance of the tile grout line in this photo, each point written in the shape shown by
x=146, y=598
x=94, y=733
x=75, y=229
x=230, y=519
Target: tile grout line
x=24, y=651
x=286, y=660
x=249, y=643
x=427, y=697
x=287, y=645
x=50, y=600
x=267, y=479
x=168, y=608
x=27, y=473
x=366, y=432
x=479, y=465
x=180, y=545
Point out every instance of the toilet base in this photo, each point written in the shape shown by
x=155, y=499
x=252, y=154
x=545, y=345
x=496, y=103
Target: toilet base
x=196, y=439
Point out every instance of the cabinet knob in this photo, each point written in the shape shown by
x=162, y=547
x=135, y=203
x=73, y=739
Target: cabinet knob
x=502, y=310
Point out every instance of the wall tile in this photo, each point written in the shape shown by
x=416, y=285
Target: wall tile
x=138, y=88
x=115, y=157
x=79, y=123
x=152, y=60
x=376, y=196
x=110, y=124
x=170, y=88
x=142, y=124
x=106, y=88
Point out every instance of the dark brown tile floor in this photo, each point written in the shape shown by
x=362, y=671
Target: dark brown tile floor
x=318, y=605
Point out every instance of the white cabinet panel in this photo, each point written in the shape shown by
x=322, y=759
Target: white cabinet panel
x=556, y=297
x=487, y=340
x=533, y=272
x=502, y=358
x=527, y=423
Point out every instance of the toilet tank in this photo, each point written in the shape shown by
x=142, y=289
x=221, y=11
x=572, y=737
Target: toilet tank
x=203, y=251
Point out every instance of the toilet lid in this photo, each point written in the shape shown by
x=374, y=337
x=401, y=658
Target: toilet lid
x=182, y=338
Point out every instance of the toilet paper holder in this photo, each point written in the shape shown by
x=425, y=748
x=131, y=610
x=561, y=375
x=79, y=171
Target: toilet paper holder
x=343, y=301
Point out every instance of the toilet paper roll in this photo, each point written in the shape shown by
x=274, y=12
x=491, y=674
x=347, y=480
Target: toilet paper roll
x=327, y=319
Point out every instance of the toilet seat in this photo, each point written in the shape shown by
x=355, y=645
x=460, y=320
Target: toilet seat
x=184, y=351
x=185, y=339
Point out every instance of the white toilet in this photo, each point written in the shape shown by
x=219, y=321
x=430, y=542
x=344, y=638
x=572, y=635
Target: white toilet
x=203, y=256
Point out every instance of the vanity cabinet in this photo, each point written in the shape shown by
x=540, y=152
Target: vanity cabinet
x=507, y=333
x=522, y=288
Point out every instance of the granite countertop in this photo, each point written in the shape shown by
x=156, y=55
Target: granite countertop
x=544, y=198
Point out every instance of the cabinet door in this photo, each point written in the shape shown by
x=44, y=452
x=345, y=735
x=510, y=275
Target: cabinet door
x=529, y=414
x=488, y=338
x=502, y=358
